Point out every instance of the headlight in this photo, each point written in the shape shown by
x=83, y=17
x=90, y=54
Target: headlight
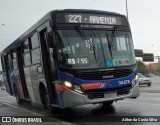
x=135, y=80
x=77, y=89
x=68, y=84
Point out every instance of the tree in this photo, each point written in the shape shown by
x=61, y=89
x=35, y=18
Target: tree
x=156, y=70
x=142, y=68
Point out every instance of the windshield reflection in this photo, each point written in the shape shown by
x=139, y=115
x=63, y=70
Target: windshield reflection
x=94, y=49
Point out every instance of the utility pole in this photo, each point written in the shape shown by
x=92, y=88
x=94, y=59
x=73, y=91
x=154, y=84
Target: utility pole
x=126, y=9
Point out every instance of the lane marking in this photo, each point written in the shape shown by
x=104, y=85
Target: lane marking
x=148, y=98
x=26, y=110
x=141, y=103
x=21, y=108
x=145, y=98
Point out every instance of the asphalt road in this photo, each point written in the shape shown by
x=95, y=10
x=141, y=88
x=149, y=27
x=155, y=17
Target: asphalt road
x=148, y=104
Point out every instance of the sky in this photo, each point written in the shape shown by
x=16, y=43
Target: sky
x=16, y=16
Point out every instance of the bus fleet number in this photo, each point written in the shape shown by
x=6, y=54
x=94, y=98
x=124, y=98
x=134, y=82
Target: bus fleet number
x=75, y=18
x=78, y=61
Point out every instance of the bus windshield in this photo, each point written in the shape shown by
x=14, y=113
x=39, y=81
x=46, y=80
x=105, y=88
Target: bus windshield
x=94, y=49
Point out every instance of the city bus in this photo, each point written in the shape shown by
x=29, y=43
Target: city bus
x=72, y=57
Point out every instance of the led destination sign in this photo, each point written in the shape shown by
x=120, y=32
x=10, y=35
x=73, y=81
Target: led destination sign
x=91, y=19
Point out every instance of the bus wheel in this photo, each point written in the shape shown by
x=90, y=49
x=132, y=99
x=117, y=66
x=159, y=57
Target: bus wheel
x=19, y=101
x=47, y=104
x=46, y=101
x=106, y=104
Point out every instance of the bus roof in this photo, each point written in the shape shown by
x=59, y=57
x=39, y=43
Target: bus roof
x=50, y=15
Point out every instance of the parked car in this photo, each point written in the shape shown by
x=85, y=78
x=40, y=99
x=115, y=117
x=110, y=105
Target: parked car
x=144, y=80
x=149, y=75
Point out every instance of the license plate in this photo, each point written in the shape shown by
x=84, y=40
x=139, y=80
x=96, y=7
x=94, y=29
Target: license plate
x=110, y=95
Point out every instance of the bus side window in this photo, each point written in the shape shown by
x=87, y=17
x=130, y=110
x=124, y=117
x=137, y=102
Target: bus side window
x=36, y=56
x=3, y=65
x=27, y=60
x=9, y=61
x=26, y=53
x=34, y=41
x=35, y=52
x=25, y=46
x=14, y=60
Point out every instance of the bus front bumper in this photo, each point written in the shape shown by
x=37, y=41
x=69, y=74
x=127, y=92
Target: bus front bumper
x=72, y=98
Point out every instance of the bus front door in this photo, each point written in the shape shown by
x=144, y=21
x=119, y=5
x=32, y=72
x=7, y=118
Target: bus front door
x=48, y=62
x=21, y=74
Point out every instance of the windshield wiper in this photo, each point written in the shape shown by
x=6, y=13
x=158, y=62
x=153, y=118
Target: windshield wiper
x=102, y=47
x=111, y=40
x=84, y=37
x=113, y=34
x=109, y=46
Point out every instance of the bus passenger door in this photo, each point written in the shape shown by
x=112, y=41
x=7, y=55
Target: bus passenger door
x=46, y=40
x=6, y=75
x=21, y=73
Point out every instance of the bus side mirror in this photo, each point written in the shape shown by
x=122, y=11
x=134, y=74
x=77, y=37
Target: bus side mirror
x=39, y=69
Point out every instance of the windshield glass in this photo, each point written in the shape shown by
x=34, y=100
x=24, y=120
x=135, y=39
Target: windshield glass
x=94, y=49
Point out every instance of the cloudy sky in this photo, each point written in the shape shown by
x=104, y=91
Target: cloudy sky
x=16, y=16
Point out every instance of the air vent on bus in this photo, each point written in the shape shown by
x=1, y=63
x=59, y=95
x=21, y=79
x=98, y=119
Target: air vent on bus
x=95, y=95
x=99, y=75
x=122, y=92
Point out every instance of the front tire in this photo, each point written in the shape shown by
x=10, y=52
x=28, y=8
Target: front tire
x=46, y=101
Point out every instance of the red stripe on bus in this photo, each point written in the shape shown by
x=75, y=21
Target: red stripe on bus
x=61, y=88
x=20, y=87
x=86, y=86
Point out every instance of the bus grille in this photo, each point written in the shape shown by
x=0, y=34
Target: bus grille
x=122, y=92
x=97, y=94
x=99, y=75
